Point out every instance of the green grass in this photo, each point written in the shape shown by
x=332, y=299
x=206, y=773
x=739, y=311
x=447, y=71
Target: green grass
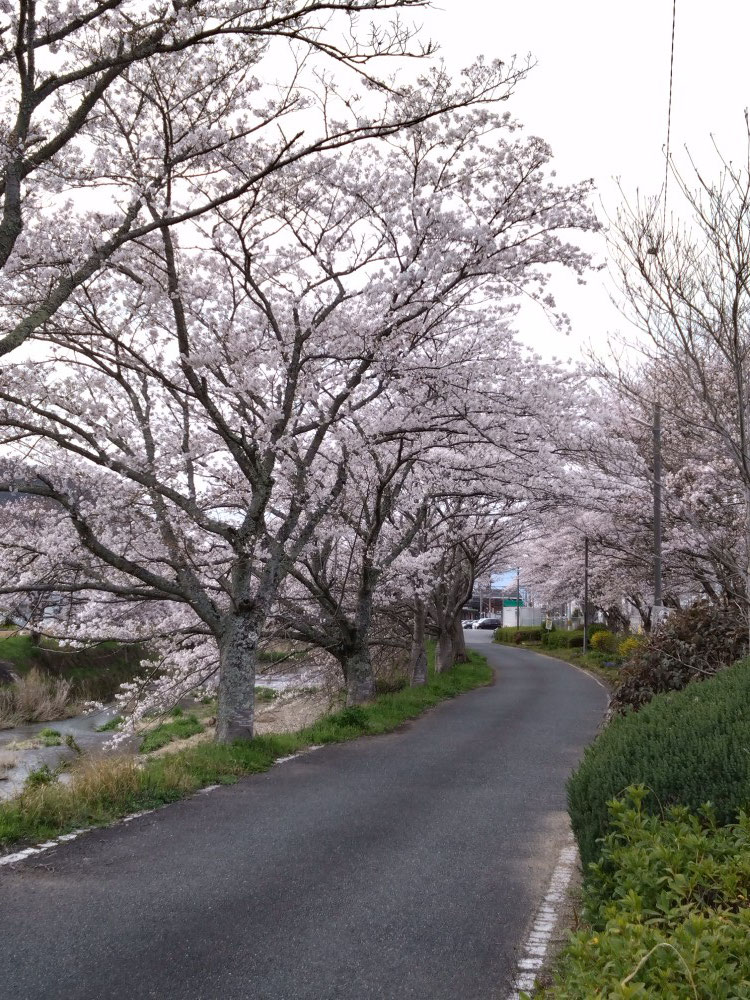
x=111, y=725
x=265, y=693
x=50, y=737
x=103, y=790
x=168, y=732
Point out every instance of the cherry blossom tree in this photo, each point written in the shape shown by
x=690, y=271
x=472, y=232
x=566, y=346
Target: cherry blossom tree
x=187, y=421
x=128, y=108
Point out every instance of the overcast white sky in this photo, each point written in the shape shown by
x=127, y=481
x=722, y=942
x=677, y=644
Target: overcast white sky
x=599, y=96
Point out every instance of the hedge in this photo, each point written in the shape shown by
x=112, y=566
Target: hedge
x=686, y=747
x=526, y=633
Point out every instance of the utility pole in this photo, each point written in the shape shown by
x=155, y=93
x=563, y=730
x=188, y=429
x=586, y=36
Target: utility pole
x=657, y=512
x=585, y=592
x=518, y=597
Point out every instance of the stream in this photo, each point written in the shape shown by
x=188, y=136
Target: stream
x=83, y=729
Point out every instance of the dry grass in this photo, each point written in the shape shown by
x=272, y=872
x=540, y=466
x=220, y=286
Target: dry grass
x=36, y=697
x=7, y=762
x=98, y=786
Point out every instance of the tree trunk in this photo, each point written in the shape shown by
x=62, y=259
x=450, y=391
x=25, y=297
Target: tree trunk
x=459, y=642
x=237, y=658
x=360, y=681
x=418, y=659
x=445, y=651
x=357, y=664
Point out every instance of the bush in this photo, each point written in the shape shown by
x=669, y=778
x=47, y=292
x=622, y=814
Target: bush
x=604, y=641
x=666, y=910
x=561, y=638
x=527, y=633
x=629, y=646
x=686, y=747
x=689, y=645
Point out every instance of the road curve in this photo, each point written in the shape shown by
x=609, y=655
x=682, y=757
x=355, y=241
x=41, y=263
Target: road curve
x=399, y=867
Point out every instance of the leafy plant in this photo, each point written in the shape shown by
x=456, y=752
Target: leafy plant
x=42, y=775
x=684, y=747
x=629, y=645
x=665, y=909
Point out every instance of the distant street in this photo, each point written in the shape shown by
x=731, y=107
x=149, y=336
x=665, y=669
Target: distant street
x=403, y=867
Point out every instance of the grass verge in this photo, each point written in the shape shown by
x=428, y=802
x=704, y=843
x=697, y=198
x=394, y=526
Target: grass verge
x=592, y=662
x=103, y=790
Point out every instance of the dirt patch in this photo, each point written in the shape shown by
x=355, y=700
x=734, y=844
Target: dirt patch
x=286, y=714
x=289, y=713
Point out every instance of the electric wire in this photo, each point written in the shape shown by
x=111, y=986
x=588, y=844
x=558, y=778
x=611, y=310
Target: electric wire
x=669, y=114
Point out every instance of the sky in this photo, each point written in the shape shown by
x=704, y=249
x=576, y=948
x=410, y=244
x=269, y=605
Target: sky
x=599, y=96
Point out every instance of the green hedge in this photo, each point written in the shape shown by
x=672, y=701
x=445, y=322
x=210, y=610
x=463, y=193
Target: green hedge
x=553, y=638
x=563, y=639
x=665, y=911
x=686, y=747
x=527, y=633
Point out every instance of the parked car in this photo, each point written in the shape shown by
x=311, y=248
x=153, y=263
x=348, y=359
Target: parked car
x=467, y=623
x=487, y=623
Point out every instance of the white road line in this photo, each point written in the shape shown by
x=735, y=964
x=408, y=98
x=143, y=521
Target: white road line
x=545, y=922
x=13, y=859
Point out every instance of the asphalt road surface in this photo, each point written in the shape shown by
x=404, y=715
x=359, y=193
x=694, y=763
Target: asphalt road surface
x=403, y=867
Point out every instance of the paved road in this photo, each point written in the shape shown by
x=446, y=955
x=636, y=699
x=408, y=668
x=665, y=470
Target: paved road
x=403, y=867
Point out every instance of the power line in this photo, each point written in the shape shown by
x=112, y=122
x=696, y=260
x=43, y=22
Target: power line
x=669, y=112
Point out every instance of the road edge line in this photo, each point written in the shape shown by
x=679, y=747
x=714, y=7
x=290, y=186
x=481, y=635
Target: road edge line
x=546, y=920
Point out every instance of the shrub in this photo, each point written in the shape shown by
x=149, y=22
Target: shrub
x=686, y=747
x=604, y=641
x=526, y=633
x=665, y=910
x=562, y=639
x=629, y=645
x=689, y=645
x=41, y=775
